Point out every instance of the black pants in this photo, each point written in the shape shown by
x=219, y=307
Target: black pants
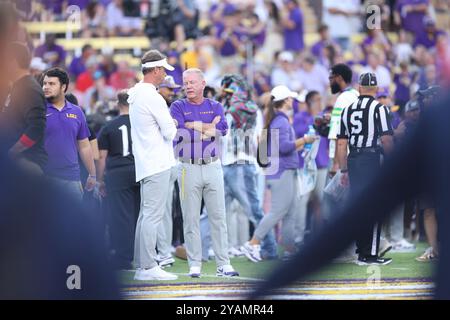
x=123, y=208
x=361, y=168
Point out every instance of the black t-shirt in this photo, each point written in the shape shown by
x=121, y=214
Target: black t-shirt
x=24, y=113
x=116, y=138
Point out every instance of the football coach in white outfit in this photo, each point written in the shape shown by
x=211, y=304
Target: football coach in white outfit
x=152, y=133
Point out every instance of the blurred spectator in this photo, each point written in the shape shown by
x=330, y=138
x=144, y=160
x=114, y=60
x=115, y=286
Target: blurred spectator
x=429, y=37
x=107, y=65
x=343, y=17
x=173, y=58
x=93, y=20
x=166, y=22
x=376, y=40
x=286, y=73
x=37, y=67
x=85, y=80
x=274, y=40
x=190, y=17
x=78, y=64
x=52, y=54
x=428, y=77
x=313, y=76
x=403, y=81
x=403, y=50
x=124, y=77
x=292, y=22
x=382, y=73
x=409, y=14
x=262, y=81
x=325, y=40
x=54, y=9
x=99, y=94
x=120, y=25
x=254, y=30
x=228, y=42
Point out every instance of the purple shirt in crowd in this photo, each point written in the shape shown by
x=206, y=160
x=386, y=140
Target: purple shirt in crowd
x=287, y=156
x=47, y=53
x=54, y=6
x=302, y=121
x=293, y=38
x=402, y=90
x=77, y=67
x=428, y=40
x=413, y=21
x=189, y=139
x=228, y=49
x=64, y=129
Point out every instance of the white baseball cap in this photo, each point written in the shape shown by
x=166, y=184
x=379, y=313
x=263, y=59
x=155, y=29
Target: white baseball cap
x=282, y=92
x=286, y=56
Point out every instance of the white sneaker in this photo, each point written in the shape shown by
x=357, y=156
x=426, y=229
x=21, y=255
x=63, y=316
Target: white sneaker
x=155, y=273
x=195, y=272
x=252, y=252
x=166, y=261
x=403, y=246
x=226, y=271
x=233, y=252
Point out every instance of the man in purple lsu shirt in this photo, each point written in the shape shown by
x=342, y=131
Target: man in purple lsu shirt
x=198, y=121
x=66, y=134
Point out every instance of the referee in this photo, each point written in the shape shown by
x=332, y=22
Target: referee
x=367, y=131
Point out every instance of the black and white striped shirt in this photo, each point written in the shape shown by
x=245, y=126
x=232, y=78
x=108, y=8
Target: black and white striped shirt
x=364, y=122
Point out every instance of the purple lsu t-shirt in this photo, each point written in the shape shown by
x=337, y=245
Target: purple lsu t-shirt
x=188, y=142
x=64, y=129
x=293, y=38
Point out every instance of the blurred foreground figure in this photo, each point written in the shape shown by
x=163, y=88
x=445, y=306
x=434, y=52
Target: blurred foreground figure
x=50, y=248
x=420, y=164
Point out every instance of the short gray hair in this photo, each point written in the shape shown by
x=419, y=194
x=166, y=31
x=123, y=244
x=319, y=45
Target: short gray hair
x=196, y=71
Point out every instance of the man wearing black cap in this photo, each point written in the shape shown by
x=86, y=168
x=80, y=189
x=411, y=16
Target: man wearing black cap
x=367, y=131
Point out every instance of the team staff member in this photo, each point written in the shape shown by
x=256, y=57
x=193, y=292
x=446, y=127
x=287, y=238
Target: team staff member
x=118, y=185
x=201, y=175
x=363, y=124
x=66, y=135
x=283, y=180
x=152, y=133
x=23, y=120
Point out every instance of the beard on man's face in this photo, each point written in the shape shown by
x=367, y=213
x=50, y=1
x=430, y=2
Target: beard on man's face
x=335, y=88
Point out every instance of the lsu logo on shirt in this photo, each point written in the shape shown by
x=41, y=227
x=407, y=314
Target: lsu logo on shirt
x=206, y=112
x=71, y=115
x=187, y=113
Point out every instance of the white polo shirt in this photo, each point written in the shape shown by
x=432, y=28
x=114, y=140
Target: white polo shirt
x=152, y=131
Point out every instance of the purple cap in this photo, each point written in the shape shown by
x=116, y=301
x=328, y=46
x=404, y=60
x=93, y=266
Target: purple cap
x=169, y=82
x=229, y=9
x=382, y=92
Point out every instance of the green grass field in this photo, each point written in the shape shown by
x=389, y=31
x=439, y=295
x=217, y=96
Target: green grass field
x=403, y=265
